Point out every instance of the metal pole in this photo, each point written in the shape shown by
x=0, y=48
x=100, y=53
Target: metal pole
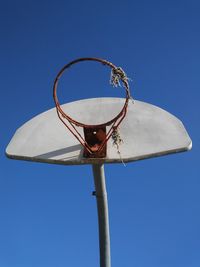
x=102, y=207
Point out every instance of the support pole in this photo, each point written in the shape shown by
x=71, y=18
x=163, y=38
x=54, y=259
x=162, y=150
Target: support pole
x=102, y=207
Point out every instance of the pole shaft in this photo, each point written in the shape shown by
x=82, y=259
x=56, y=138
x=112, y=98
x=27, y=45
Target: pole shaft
x=102, y=207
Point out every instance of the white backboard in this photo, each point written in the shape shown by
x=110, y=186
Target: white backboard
x=147, y=131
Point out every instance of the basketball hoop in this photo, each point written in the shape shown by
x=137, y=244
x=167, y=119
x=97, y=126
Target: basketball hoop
x=95, y=136
x=149, y=131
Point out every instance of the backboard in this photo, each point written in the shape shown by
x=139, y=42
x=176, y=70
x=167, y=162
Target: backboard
x=147, y=131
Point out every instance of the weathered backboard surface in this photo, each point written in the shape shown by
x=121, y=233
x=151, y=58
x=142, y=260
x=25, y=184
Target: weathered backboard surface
x=147, y=131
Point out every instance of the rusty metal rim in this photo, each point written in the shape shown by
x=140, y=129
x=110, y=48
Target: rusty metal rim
x=62, y=114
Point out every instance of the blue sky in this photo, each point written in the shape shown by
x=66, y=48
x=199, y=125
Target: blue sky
x=48, y=216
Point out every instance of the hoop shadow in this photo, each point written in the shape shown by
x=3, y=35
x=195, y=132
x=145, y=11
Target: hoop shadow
x=62, y=151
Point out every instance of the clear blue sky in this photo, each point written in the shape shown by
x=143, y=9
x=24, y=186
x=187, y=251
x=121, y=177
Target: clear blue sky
x=47, y=214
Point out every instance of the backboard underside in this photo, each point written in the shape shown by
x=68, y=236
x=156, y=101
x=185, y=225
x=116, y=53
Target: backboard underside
x=147, y=131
